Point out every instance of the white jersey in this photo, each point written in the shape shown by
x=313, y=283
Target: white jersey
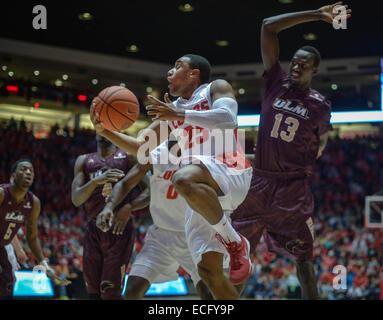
x=224, y=146
x=167, y=208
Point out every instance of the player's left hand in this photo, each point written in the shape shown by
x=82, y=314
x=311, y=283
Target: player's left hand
x=164, y=110
x=121, y=218
x=327, y=12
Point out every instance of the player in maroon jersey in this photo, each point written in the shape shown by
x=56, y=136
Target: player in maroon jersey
x=106, y=255
x=293, y=132
x=17, y=205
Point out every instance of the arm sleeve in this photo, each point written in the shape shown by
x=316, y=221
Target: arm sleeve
x=223, y=115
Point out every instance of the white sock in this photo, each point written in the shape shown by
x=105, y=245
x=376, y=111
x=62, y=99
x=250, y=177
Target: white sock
x=226, y=230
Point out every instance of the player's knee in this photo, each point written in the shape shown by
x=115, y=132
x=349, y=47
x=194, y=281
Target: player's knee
x=182, y=183
x=136, y=288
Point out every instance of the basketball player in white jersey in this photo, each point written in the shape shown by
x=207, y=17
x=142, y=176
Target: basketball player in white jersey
x=212, y=187
x=165, y=245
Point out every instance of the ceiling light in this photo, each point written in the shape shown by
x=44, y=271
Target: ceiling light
x=222, y=43
x=94, y=81
x=334, y=86
x=187, y=7
x=132, y=48
x=58, y=83
x=11, y=73
x=65, y=77
x=122, y=85
x=149, y=89
x=286, y=1
x=310, y=36
x=85, y=16
x=34, y=89
x=241, y=91
x=4, y=68
x=36, y=73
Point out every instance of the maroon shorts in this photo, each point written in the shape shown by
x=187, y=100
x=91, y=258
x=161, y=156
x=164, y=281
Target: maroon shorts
x=282, y=210
x=105, y=259
x=7, y=278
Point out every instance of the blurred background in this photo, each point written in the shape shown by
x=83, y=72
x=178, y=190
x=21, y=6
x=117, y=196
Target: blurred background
x=48, y=78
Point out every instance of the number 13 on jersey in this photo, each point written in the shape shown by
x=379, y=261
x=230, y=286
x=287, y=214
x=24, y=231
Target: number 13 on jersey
x=292, y=123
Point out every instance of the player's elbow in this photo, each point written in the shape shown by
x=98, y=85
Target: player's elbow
x=268, y=25
x=76, y=201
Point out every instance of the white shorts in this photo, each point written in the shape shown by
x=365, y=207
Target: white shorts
x=163, y=253
x=235, y=185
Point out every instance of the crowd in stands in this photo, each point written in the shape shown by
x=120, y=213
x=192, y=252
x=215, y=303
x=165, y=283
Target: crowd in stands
x=345, y=99
x=347, y=172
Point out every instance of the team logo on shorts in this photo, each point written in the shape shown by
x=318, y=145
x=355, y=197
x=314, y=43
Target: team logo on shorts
x=293, y=245
x=106, y=285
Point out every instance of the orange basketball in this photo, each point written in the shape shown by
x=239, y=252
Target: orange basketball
x=118, y=108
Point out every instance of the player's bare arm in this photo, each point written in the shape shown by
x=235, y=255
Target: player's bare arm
x=322, y=144
x=1, y=196
x=82, y=191
x=34, y=243
x=123, y=141
x=119, y=192
x=20, y=253
x=273, y=25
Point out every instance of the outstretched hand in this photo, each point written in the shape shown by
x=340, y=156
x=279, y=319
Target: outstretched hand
x=328, y=13
x=95, y=118
x=164, y=110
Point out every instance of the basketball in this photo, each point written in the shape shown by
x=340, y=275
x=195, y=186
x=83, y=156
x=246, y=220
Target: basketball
x=118, y=108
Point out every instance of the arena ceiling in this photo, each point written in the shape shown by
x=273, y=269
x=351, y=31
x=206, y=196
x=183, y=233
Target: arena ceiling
x=162, y=32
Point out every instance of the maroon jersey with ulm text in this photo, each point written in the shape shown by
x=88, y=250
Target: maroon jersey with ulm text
x=291, y=123
x=13, y=214
x=94, y=166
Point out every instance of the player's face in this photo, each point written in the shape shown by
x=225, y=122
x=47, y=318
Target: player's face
x=180, y=77
x=302, y=69
x=24, y=175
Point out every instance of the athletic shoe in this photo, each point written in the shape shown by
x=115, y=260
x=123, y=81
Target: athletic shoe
x=240, y=263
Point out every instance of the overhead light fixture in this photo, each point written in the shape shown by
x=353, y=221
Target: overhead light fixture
x=58, y=83
x=132, y=48
x=222, y=43
x=94, y=81
x=241, y=91
x=310, y=36
x=34, y=89
x=149, y=89
x=286, y=1
x=334, y=86
x=65, y=77
x=186, y=7
x=85, y=16
x=11, y=73
x=4, y=68
x=122, y=84
x=36, y=73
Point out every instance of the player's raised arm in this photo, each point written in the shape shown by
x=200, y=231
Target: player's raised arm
x=34, y=243
x=273, y=25
x=127, y=143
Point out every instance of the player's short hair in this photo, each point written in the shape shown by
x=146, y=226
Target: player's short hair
x=202, y=64
x=314, y=52
x=16, y=164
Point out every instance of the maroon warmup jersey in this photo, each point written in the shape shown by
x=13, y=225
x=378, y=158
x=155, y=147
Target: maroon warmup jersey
x=94, y=166
x=290, y=125
x=12, y=214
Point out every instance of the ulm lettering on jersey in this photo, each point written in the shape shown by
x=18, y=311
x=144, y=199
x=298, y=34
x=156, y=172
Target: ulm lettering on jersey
x=294, y=107
x=14, y=217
